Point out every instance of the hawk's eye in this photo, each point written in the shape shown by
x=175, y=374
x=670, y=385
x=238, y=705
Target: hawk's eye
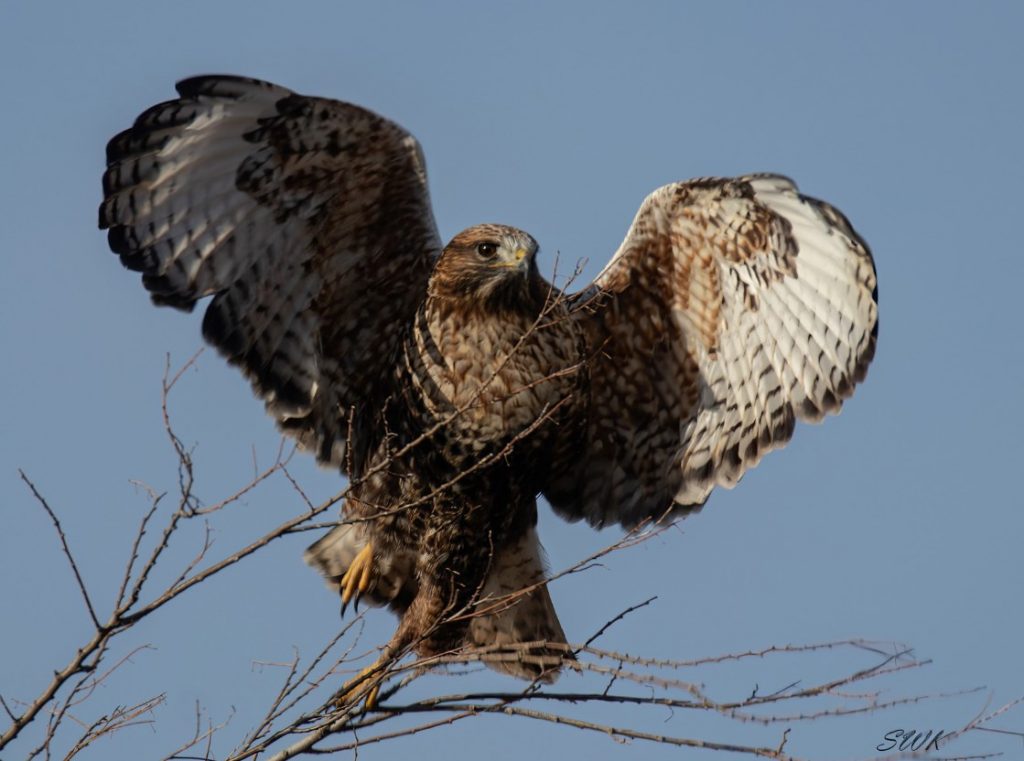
x=487, y=249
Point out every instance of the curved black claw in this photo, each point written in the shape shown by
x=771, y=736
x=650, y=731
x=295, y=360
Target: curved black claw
x=357, y=578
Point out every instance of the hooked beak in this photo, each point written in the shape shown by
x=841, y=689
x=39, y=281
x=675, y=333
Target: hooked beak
x=521, y=262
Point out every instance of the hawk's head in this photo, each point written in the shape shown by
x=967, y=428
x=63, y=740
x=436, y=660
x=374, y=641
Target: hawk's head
x=491, y=265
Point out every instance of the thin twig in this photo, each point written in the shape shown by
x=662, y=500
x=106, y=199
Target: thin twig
x=64, y=546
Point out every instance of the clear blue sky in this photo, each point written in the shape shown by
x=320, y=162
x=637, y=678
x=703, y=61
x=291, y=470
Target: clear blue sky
x=901, y=519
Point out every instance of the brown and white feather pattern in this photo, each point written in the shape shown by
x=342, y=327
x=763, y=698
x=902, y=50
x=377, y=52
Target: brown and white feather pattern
x=307, y=220
x=515, y=608
x=528, y=373
x=732, y=308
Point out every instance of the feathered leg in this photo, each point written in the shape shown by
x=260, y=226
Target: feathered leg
x=419, y=627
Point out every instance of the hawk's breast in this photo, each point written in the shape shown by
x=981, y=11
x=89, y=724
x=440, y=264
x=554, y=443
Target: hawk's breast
x=491, y=379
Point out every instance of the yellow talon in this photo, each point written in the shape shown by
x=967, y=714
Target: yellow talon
x=350, y=690
x=358, y=576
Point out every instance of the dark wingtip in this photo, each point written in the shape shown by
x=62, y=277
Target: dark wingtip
x=102, y=220
x=116, y=145
x=181, y=303
x=204, y=84
x=162, y=293
x=142, y=260
x=118, y=237
x=220, y=85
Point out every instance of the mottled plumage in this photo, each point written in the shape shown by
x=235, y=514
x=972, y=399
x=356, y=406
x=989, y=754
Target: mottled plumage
x=453, y=386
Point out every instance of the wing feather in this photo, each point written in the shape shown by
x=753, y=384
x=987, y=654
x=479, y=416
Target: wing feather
x=733, y=308
x=307, y=221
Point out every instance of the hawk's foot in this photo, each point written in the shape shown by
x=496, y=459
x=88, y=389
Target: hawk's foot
x=350, y=691
x=357, y=578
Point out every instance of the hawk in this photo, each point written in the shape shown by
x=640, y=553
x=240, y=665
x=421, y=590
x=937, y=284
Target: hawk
x=452, y=383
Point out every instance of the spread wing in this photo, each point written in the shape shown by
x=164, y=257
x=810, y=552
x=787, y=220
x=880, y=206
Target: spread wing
x=732, y=308
x=306, y=220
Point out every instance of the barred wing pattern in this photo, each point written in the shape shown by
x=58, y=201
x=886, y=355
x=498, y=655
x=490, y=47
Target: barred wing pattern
x=307, y=220
x=732, y=308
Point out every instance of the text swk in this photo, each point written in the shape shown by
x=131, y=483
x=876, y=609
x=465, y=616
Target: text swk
x=910, y=739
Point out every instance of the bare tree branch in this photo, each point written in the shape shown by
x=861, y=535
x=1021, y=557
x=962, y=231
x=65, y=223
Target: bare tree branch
x=64, y=546
x=304, y=714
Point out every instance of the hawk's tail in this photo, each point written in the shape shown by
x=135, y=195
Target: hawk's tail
x=515, y=620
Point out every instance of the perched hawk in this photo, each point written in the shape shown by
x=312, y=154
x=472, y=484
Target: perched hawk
x=453, y=384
